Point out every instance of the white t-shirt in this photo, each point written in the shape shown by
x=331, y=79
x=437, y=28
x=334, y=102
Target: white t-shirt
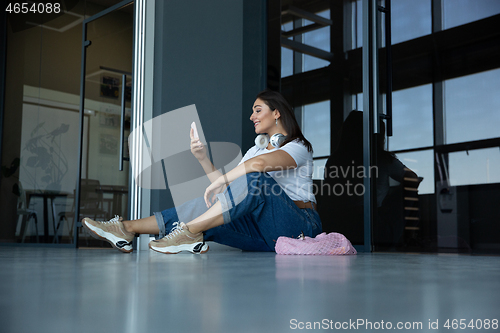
x=297, y=183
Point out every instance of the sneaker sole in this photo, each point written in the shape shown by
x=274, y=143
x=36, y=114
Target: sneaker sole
x=118, y=243
x=196, y=248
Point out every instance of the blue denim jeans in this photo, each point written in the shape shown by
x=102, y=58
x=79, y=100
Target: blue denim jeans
x=256, y=212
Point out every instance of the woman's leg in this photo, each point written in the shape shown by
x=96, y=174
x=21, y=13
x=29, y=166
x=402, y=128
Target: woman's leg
x=235, y=193
x=145, y=225
x=252, y=213
x=243, y=233
x=210, y=219
x=186, y=212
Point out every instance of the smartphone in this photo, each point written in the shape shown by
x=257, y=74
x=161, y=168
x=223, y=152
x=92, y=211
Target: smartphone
x=195, y=131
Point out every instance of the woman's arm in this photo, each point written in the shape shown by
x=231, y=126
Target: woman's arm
x=212, y=173
x=275, y=161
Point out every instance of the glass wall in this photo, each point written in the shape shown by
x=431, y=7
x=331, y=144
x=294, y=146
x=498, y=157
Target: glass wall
x=40, y=142
x=471, y=105
x=478, y=166
x=458, y=12
x=286, y=54
x=436, y=179
x=316, y=127
x=443, y=134
x=409, y=20
x=317, y=38
x=412, y=118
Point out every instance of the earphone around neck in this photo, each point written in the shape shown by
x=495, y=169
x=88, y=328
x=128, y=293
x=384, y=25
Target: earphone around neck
x=262, y=140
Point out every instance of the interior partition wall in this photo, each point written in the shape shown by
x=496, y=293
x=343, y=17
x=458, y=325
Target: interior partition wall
x=49, y=138
x=103, y=182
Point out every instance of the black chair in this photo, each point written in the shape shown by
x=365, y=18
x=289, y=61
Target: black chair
x=26, y=213
x=91, y=205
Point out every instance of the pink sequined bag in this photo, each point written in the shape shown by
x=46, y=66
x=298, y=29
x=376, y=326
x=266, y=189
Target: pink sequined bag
x=322, y=244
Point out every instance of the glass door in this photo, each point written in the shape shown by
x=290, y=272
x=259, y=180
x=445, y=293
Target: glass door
x=106, y=86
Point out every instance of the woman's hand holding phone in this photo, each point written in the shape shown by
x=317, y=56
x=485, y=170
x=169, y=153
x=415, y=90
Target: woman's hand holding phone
x=197, y=148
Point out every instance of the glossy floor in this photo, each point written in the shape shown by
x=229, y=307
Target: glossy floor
x=67, y=290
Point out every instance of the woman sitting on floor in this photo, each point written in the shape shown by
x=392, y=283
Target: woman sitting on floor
x=268, y=195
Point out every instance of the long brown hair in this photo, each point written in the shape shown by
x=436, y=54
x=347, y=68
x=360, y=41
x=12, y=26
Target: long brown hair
x=276, y=101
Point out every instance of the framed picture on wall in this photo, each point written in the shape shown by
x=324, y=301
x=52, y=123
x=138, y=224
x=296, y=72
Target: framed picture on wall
x=110, y=87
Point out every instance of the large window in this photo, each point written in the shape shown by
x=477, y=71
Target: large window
x=412, y=118
x=458, y=12
x=316, y=128
x=422, y=163
x=409, y=20
x=318, y=38
x=445, y=119
x=481, y=166
x=319, y=168
x=356, y=24
x=286, y=54
x=472, y=103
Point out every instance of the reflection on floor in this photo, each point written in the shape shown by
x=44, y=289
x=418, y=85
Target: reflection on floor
x=67, y=290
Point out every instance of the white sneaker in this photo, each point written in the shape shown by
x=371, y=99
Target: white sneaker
x=112, y=231
x=180, y=239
